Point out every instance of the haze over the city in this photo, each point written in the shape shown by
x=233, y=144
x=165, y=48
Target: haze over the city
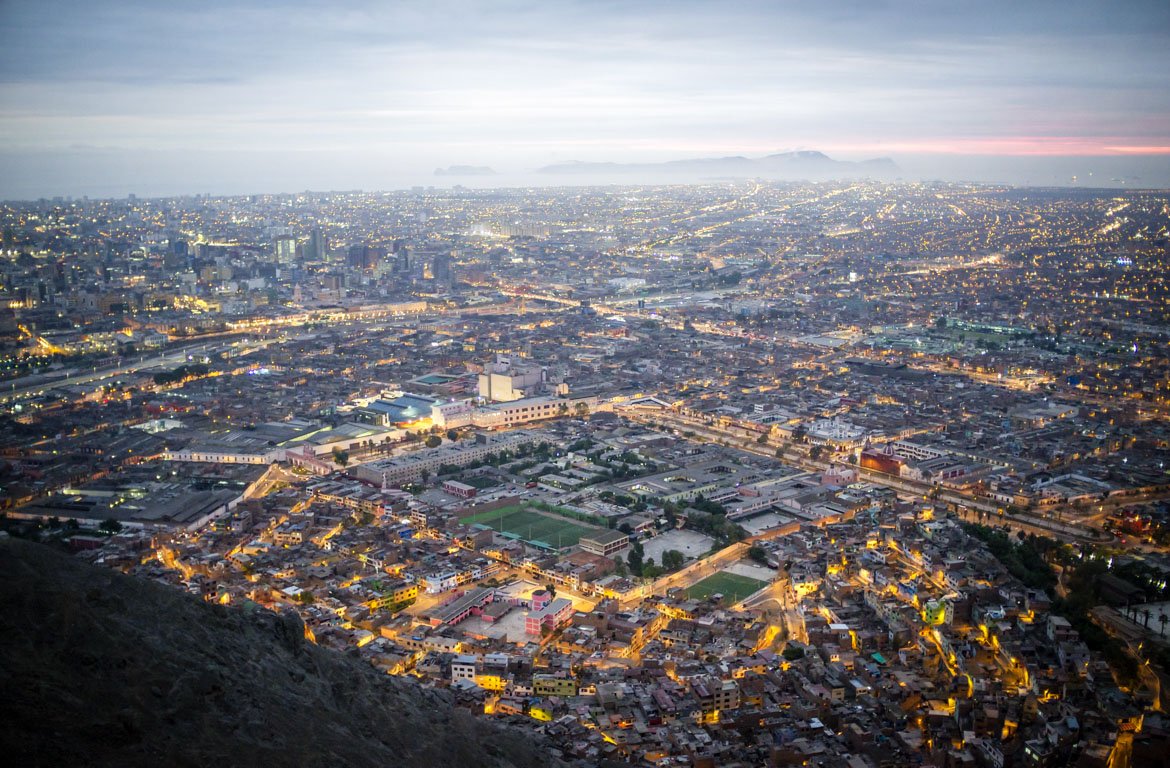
x=104, y=99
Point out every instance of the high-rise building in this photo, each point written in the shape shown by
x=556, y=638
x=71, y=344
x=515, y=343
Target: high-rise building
x=364, y=257
x=441, y=268
x=286, y=249
x=318, y=248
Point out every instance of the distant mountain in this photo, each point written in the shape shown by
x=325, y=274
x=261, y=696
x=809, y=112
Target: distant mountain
x=465, y=170
x=103, y=669
x=809, y=165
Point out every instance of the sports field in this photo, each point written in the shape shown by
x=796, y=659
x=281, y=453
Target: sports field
x=532, y=525
x=732, y=586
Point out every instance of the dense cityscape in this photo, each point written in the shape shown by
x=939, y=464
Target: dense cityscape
x=845, y=473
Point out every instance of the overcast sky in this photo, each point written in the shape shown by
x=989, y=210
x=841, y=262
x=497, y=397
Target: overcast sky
x=104, y=97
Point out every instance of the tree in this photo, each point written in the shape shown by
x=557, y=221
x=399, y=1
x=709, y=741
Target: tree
x=635, y=559
x=340, y=457
x=425, y=475
x=815, y=452
x=581, y=409
x=452, y=435
x=551, y=589
x=433, y=441
x=758, y=553
x=110, y=525
x=672, y=559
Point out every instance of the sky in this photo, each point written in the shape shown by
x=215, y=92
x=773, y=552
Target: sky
x=107, y=97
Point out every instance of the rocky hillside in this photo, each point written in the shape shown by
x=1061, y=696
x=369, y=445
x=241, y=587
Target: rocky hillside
x=102, y=669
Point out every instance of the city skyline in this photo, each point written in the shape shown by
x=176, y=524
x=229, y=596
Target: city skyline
x=107, y=99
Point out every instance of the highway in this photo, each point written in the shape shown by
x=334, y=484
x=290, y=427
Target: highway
x=16, y=393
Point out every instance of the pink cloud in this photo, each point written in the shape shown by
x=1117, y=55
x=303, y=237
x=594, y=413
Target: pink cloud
x=1021, y=146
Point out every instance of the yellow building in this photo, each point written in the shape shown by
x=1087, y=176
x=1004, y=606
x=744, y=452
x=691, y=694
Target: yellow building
x=554, y=685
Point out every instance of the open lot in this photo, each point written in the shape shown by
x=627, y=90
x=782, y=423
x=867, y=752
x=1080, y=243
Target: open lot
x=691, y=543
x=524, y=522
x=509, y=627
x=751, y=570
x=732, y=586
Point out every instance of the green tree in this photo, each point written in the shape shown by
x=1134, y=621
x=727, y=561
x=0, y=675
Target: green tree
x=672, y=559
x=635, y=559
x=434, y=441
x=110, y=525
x=340, y=457
x=452, y=435
x=759, y=554
x=581, y=409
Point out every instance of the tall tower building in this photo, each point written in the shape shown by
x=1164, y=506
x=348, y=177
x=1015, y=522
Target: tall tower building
x=318, y=249
x=441, y=268
x=364, y=257
x=286, y=249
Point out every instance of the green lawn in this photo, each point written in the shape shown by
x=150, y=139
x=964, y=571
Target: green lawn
x=732, y=586
x=531, y=525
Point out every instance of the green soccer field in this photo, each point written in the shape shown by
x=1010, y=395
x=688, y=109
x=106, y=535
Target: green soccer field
x=532, y=525
x=732, y=586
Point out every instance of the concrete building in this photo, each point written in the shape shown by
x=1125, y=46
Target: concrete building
x=504, y=381
x=605, y=543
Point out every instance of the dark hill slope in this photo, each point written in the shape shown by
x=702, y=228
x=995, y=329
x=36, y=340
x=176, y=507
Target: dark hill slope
x=102, y=669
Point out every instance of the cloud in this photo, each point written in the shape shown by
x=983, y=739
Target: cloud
x=595, y=80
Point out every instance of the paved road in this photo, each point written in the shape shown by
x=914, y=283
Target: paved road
x=15, y=392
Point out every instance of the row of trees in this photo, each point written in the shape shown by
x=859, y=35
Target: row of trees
x=181, y=373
